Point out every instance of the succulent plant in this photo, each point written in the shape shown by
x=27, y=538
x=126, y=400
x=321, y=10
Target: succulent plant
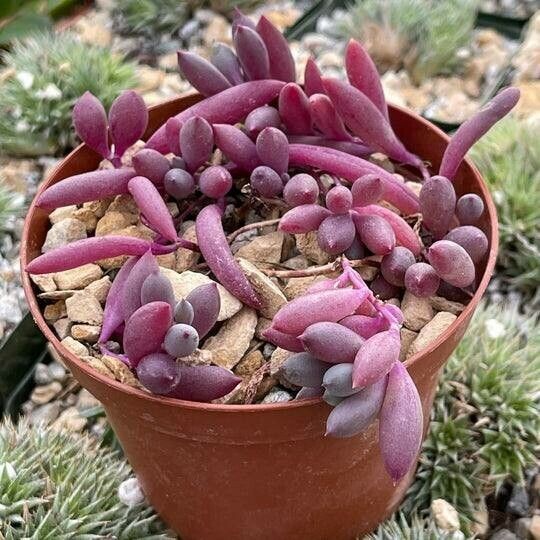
x=485, y=421
x=509, y=160
x=432, y=31
x=57, y=485
x=228, y=164
x=49, y=73
x=10, y=204
x=414, y=528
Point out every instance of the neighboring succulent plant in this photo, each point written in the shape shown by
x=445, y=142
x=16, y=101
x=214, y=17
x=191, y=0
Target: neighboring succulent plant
x=253, y=165
x=485, y=423
x=398, y=527
x=10, y=204
x=56, y=485
x=509, y=160
x=432, y=31
x=49, y=73
x=149, y=18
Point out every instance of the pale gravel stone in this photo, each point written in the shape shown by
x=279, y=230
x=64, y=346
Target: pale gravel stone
x=84, y=308
x=64, y=232
x=53, y=312
x=232, y=341
x=114, y=221
x=277, y=395
x=45, y=414
x=431, y=331
x=62, y=327
x=251, y=362
x=440, y=303
x=120, y=371
x=309, y=247
x=56, y=295
x=70, y=420
x=267, y=248
x=45, y=282
x=271, y=296
x=262, y=325
x=85, y=332
x=445, y=515
x=78, y=349
x=185, y=282
x=100, y=288
x=78, y=278
x=407, y=338
x=417, y=312
x=59, y=214
x=45, y=393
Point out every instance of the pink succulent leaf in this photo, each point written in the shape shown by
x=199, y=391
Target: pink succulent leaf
x=474, y=128
x=351, y=168
x=227, y=107
x=400, y=423
x=217, y=254
x=91, y=250
x=237, y=146
x=363, y=74
x=128, y=118
x=204, y=383
x=312, y=79
x=252, y=53
x=329, y=305
x=90, y=121
x=201, y=74
x=376, y=357
x=85, y=187
x=153, y=207
x=366, y=121
x=282, y=66
x=145, y=330
x=113, y=314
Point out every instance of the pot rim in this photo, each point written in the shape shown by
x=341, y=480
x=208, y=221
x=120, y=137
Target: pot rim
x=262, y=407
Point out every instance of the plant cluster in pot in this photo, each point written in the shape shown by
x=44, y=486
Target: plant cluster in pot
x=257, y=151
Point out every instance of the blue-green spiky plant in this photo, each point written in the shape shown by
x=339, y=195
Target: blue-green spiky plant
x=10, y=205
x=56, y=486
x=48, y=73
x=415, y=528
x=509, y=159
x=486, y=418
x=431, y=30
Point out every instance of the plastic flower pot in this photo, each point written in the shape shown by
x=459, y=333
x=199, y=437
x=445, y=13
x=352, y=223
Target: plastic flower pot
x=260, y=471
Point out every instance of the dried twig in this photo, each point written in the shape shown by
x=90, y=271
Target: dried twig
x=251, y=226
x=320, y=270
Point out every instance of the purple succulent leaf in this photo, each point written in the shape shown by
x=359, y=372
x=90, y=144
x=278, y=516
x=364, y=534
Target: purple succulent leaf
x=474, y=128
x=85, y=187
x=145, y=330
x=227, y=107
x=90, y=250
x=153, y=207
x=294, y=109
x=224, y=59
x=237, y=146
x=90, y=121
x=363, y=74
x=204, y=383
x=128, y=118
x=201, y=74
x=282, y=66
x=400, y=423
x=131, y=292
x=217, y=254
x=113, y=314
x=252, y=53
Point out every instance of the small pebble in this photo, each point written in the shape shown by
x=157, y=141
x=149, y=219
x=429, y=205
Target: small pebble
x=130, y=492
x=277, y=395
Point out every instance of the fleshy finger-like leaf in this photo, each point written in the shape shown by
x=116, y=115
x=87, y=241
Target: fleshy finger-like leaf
x=90, y=121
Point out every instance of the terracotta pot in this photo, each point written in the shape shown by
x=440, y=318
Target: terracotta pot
x=260, y=471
